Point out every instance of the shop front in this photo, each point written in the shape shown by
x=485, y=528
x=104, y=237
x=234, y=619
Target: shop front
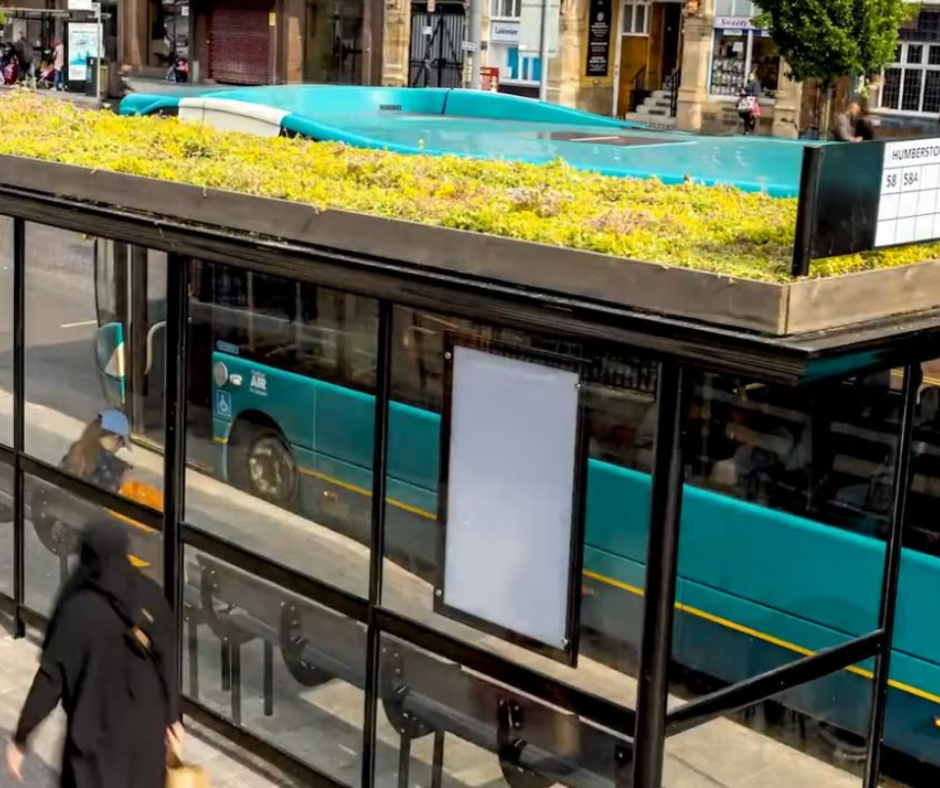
x=724, y=50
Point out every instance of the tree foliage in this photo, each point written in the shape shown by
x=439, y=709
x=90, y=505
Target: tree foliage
x=829, y=39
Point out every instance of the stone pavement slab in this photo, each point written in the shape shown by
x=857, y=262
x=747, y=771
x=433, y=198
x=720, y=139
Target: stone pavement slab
x=226, y=764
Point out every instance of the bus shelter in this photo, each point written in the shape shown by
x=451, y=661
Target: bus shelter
x=443, y=509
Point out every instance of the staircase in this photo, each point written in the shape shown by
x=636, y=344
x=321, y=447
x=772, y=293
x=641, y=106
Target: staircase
x=655, y=111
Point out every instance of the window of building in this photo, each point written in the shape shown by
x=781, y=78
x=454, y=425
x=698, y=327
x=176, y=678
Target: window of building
x=735, y=54
x=636, y=17
x=912, y=84
x=743, y=8
x=506, y=9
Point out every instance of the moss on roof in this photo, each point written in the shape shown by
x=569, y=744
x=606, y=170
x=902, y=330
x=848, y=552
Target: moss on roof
x=741, y=234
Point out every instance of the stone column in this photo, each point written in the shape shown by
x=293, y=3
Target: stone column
x=564, y=69
x=696, y=61
x=397, y=42
x=132, y=33
x=787, y=106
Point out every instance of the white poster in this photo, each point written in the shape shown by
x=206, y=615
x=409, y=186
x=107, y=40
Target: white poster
x=83, y=44
x=510, y=494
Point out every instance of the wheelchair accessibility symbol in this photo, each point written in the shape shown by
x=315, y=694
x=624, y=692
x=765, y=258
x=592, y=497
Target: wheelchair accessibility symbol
x=223, y=404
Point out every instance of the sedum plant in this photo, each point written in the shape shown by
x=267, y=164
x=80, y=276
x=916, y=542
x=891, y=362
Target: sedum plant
x=724, y=230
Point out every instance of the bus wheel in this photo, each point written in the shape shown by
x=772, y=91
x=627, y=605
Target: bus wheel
x=262, y=464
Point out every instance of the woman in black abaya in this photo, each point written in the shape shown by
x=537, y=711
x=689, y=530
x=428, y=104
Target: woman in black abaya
x=108, y=658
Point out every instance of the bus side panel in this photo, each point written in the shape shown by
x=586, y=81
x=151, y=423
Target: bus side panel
x=288, y=400
x=810, y=570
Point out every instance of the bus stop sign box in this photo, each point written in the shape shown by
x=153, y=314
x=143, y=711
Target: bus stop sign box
x=873, y=195
x=511, y=461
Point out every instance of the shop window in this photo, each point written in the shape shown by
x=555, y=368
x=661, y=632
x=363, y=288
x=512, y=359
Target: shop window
x=736, y=54
x=636, y=18
x=506, y=9
x=912, y=84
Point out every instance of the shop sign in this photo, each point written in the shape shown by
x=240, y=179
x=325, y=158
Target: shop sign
x=734, y=23
x=598, y=54
x=504, y=32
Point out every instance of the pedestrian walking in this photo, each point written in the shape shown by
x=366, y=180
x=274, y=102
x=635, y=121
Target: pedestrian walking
x=58, y=63
x=749, y=104
x=108, y=657
x=93, y=457
x=27, y=55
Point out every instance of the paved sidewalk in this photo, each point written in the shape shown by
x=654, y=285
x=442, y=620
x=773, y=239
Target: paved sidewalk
x=227, y=765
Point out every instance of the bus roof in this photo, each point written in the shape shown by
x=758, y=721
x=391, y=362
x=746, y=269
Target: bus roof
x=488, y=125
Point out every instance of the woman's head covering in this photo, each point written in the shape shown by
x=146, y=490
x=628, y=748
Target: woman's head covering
x=104, y=567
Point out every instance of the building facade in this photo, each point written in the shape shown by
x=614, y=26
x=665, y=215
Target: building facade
x=257, y=42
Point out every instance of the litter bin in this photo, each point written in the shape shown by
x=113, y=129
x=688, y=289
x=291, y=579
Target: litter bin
x=91, y=76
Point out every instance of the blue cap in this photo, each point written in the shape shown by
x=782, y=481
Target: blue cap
x=115, y=422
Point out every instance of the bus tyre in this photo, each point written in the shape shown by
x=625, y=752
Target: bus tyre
x=262, y=464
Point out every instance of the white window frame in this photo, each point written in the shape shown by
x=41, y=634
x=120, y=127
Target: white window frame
x=629, y=14
x=905, y=67
x=496, y=7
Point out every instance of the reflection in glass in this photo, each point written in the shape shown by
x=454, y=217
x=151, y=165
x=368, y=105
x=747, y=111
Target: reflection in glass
x=769, y=744
x=441, y=724
x=6, y=331
x=912, y=758
x=281, y=384
x=94, y=360
x=284, y=668
x=54, y=521
x=618, y=395
x=784, y=517
x=6, y=530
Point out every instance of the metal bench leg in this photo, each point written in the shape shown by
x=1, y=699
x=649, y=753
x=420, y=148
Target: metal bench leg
x=226, y=666
x=236, y=678
x=193, y=645
x=437, y=772
x=268, y=679
x=404, y=761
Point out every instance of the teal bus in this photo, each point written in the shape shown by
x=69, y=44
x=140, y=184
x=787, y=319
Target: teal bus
x=785, y=508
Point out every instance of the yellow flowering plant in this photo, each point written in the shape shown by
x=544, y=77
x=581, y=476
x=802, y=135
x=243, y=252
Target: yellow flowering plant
x=741, y=234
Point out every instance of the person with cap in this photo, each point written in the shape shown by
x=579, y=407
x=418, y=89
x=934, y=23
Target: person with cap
x=109, y=659
x=93, y=457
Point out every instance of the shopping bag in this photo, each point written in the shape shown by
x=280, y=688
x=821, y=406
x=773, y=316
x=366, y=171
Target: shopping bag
x=181, y=775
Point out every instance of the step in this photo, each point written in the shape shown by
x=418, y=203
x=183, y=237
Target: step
x=653, y=121
x=646, y=109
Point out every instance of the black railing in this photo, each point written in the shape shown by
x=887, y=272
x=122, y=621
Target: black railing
x=672, y=85
x=639, y=91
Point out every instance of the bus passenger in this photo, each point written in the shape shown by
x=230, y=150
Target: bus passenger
x=93, y=457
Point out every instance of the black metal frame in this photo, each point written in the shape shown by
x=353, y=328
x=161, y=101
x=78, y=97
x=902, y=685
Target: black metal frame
x=640, y=736
x=568, y=654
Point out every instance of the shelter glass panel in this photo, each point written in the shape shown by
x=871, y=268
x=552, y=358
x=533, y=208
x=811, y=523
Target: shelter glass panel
x=6, y=331
x=6, y=529
x=281, y=401
x=284, y=668
x=785, y=514
x=95, y=350
x=53, y=527
x=618, y=411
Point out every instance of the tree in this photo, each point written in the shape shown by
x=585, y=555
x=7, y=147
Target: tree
x=829, y=39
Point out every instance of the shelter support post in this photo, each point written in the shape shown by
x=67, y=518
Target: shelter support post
x=661, y=571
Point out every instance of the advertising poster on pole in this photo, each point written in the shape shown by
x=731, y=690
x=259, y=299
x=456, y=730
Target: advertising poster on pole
x=83, y=44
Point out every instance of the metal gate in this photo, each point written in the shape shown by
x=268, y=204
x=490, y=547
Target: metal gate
x=436, y=53
x=240, y=42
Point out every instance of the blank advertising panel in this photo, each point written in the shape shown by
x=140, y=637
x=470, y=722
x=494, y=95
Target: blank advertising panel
x=510, y=544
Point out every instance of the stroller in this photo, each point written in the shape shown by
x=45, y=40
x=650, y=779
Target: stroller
x=45, y=76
